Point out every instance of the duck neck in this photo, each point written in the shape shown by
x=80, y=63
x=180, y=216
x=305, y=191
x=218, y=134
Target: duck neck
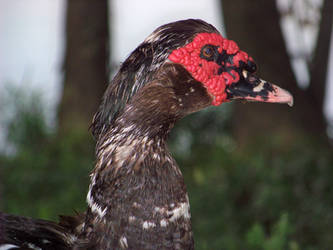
x=137, y=183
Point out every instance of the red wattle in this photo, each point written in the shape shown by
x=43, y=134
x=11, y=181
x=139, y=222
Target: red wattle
x=207, y=72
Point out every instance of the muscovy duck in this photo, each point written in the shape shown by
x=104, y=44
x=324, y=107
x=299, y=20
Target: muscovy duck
x=137, y=198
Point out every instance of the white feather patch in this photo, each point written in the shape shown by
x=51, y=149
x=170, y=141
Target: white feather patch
x=95, y=208
x=177, y=211
x=148, y=224
x=164, y=223
x=8, y=247
x=182, y=210
x=123, y=242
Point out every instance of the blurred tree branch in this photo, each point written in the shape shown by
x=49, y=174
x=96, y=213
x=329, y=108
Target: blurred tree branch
x=255, y=26
x=85, y=63
x=318, y=70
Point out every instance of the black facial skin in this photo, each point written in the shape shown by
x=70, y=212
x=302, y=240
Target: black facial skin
x=250, y=66
x=245, y=86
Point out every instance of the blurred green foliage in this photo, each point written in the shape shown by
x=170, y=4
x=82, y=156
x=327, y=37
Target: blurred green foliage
x=267, y=196
x=45, y=175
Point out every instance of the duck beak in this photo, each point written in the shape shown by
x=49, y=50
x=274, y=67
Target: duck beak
x=252, y=88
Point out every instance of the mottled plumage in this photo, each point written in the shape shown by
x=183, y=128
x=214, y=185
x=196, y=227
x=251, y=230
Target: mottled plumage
x=137, y=191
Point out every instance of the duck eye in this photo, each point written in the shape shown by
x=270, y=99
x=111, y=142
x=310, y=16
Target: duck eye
x=208, y=52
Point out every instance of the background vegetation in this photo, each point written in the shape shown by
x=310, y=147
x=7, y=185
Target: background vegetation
x=259, y=176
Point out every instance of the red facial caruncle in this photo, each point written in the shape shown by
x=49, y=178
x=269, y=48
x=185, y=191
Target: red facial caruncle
x=215, y=72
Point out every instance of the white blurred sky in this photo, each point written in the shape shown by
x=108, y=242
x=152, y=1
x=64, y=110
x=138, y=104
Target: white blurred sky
x=133, y=21
x=32, y=38
x=31, y=45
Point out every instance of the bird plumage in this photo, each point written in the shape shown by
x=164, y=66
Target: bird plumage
x=27, y=233
x=141, y=67
x=137, y=198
